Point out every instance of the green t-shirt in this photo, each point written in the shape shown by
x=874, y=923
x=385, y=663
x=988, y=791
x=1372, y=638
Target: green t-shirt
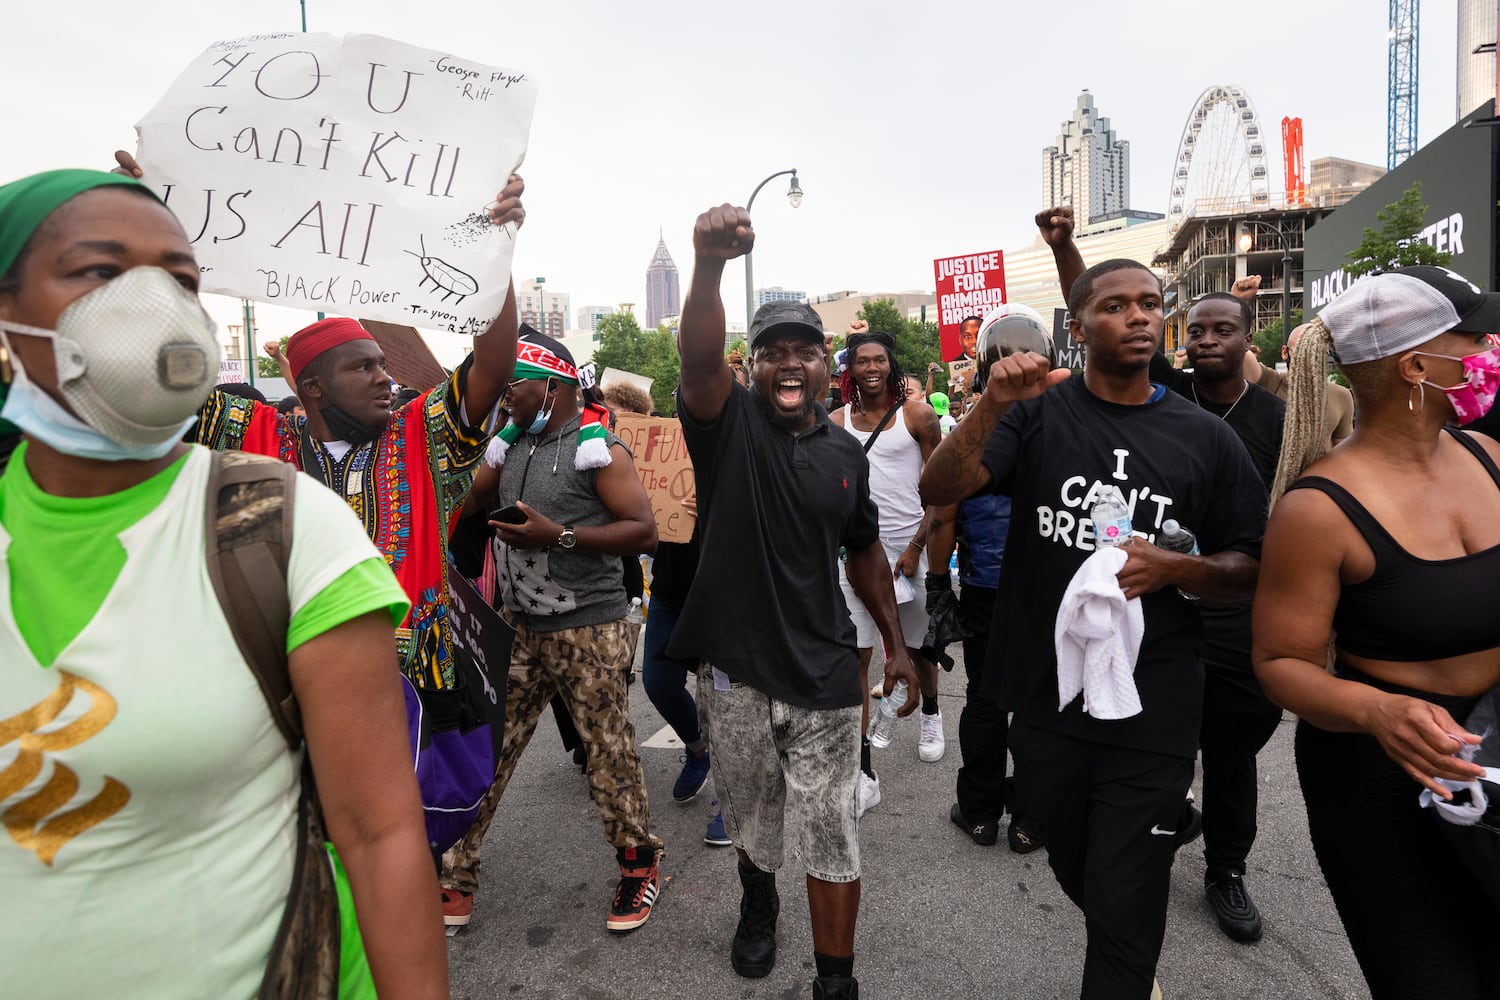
x=65, y=556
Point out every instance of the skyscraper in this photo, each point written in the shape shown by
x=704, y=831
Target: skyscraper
x=1477, y=28
x=663, y=289
x=1087, y=169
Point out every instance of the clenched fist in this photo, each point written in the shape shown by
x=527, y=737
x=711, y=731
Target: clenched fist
x=1055, y=225
x=723, y=233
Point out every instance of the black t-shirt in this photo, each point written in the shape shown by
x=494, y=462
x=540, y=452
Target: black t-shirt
x=1170, y=460
x=773, y=508
x=673, y=569
x=1256, y=419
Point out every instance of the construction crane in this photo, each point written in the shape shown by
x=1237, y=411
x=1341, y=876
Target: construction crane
x=1401, y=114
x=1291, y=158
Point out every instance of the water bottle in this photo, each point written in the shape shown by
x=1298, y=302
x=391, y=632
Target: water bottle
x=1111, y=517
x=1175, y=538
x=884, y=723
x=635, y=616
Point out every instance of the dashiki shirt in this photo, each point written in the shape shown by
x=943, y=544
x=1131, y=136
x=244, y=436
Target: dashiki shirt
x=406, y=486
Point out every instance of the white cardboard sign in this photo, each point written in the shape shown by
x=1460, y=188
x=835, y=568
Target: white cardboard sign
x=344, y=173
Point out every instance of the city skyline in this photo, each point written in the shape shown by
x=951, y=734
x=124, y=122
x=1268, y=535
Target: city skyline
x=871, y=219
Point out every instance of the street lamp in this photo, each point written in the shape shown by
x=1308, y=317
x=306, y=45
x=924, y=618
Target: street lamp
x=794, y=196
x=1246, y=241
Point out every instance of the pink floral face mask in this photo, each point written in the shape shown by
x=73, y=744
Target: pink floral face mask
x=1473, y=397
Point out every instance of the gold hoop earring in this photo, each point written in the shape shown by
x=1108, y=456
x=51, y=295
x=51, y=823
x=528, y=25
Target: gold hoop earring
x=1421, y=398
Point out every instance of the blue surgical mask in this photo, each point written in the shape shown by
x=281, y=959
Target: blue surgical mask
x=41, y=417
x=542, y=416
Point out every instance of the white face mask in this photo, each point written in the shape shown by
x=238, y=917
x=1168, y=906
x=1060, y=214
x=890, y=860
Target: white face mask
x=135, y=358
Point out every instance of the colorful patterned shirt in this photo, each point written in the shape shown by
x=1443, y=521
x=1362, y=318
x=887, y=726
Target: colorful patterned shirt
x=406, y=486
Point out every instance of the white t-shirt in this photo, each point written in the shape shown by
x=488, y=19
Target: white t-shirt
x=161, y=796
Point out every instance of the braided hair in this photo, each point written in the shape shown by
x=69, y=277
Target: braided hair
x=895, y=382
x=1305, y=437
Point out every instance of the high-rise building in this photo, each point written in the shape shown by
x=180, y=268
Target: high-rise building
x=777, y=294
x=547, y=313
x=1089, y=168
x=663, y=290
x=589, y=316
x=1478, y=28
x=1332, y=180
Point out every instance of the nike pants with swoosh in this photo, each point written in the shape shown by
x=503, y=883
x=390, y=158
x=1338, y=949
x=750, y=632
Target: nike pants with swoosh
x=1108, y=815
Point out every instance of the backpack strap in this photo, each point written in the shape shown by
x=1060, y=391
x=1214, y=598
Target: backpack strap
x=249, y=535
x=884, y=422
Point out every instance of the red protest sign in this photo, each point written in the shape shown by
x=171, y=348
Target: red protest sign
x=968, y=285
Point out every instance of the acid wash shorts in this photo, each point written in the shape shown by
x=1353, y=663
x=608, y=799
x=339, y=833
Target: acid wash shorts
x=765, y=752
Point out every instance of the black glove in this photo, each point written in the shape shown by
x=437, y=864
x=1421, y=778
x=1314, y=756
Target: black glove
x=943, y=625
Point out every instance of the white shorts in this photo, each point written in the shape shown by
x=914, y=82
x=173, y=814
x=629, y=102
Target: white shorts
x=913, y=613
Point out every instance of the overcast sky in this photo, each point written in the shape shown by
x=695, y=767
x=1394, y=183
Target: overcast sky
x=917, y=128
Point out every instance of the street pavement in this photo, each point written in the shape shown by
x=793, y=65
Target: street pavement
x=941, y=917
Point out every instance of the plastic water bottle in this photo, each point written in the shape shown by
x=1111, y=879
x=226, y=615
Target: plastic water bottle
x=1111, y=517
x=884, y=723
x=1175, y=538
x=635, y=615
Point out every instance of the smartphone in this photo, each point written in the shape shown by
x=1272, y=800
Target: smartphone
x=510, y=514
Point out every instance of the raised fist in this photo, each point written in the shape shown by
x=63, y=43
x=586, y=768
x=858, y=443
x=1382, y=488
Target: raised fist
x=1055, y=225
x=723, y=233
x=1245, y=288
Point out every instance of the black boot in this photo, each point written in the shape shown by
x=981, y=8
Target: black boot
x=835, y=988
x=753, y=954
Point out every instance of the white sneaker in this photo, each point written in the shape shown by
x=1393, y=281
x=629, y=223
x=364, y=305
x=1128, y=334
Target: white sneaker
x=930, y=746
x=869, y=793
x=882, y=726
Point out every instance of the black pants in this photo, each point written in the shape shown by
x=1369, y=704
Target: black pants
x=1238, y=720
x=1419, y=925
x=982, y=724
x=1108, y=815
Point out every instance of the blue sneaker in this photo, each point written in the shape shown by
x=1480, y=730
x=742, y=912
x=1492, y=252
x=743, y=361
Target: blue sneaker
x=692, y=779
x=716, y=837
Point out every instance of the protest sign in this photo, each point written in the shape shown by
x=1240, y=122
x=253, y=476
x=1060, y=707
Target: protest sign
x=478, y=630
x=408, y=359
x=231, y=371
x=343, y=173
x=613, y=375
x=968, y=285
x=1069, y=351
x=960, y=375
x=661, y=459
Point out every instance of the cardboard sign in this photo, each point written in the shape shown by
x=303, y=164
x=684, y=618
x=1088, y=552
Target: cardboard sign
x=960, y=375
x=1069, y=351
x=408, y=359
x=344, y=173
x=968, y=285
x=661, y=458
x=478, y=630
x=231, y=371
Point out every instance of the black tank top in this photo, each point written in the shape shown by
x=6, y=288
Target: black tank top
x=1414, y=609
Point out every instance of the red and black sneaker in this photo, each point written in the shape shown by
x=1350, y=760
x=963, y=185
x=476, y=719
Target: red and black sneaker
x=458, y=907
x=640, y=883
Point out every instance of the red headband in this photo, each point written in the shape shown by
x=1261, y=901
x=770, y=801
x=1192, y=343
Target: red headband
x=324, y=335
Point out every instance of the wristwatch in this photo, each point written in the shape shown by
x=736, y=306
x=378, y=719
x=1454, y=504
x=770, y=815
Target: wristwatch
x=567, y=539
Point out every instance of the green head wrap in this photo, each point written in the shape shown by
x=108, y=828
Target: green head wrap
x=26, y=203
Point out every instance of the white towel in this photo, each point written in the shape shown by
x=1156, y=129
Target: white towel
x=1098, y=636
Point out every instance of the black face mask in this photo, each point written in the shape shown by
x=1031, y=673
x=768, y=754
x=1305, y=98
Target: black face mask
x=344, y=427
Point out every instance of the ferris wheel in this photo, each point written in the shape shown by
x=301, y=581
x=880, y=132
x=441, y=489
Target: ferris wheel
x=1221, y=158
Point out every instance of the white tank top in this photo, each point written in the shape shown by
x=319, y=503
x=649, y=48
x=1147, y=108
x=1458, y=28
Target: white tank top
x=895, y=468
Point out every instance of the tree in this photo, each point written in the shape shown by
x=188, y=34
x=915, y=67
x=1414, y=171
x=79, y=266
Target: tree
x=1271, y=338
x=1395, y=244
x=624, y=345
x=916, y=342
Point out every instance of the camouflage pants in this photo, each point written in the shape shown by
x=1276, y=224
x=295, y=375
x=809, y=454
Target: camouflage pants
x=587, y=667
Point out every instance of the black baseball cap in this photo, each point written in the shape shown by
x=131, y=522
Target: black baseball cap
x=785, y=319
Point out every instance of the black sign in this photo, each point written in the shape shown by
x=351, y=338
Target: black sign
x=1458, y=171
x=479, y=631
x=1069, y=351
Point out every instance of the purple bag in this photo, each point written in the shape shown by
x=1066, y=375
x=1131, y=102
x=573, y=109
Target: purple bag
x=456, y=733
